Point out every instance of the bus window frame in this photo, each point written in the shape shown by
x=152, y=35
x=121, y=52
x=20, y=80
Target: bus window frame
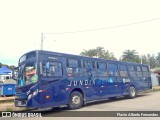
x=131, y=70
x=78, y=67
x=91, y=70
x=115, y=72
x=105, y=71
x=122, y=71
x=139, y=71
x=41, y=69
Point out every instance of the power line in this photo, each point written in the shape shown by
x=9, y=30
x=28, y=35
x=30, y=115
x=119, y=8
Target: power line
x=117, y=26
x=90, y=30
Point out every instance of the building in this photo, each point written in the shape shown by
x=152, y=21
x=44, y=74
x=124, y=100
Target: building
x=5, y=74
x=155, y=78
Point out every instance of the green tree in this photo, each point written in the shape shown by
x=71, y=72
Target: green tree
x=144, y=59
x=152, y=62
x=158, y=59
x=89, y=53
x=98, y=52
x=130, y=56
x=12, y=67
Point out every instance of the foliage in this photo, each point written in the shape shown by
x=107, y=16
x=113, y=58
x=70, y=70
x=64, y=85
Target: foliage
x=131, y=56
x=9, y=109
x=150, y=60
x=144, y=59
x=98, y=52
x=158, y=59
x=128, y=56
x=10, y=67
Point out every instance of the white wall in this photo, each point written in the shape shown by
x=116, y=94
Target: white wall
x=154, y=79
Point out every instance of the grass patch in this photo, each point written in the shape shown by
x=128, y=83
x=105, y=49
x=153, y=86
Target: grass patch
x=156, y=89
x=6, y=101
x=9, y=109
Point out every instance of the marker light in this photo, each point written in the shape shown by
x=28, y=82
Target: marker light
x=42, y=90
x=47, y=97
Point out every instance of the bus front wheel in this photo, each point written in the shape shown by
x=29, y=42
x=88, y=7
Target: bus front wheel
x=75, y=100
x=132, y=92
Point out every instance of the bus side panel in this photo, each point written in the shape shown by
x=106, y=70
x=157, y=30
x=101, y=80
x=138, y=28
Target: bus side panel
x=55, y=94
x=147, y=83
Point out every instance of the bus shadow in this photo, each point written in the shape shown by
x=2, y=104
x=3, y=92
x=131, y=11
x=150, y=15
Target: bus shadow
x=64, y=110
x=52, y=112
x=121, y=98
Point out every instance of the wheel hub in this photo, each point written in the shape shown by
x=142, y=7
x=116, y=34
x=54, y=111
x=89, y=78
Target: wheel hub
x=132, y=92
x=76, y=100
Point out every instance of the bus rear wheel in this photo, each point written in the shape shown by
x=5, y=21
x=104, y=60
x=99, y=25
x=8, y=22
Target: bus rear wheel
x=75, y=100
x=132, y=92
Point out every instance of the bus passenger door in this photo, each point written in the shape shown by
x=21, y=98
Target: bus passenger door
x=51, y=76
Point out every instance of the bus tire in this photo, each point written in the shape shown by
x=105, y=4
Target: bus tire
x=75, y=100
x=132, y=92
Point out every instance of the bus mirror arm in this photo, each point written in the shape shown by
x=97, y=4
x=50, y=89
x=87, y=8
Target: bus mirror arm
x=15, y=74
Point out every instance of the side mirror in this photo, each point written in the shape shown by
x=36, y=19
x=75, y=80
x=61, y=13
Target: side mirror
x=15, y=73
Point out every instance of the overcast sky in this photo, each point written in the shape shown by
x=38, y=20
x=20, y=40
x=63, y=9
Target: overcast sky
x=23, y=21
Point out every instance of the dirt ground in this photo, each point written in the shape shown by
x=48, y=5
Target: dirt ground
x=7, y=104
x=7, y=98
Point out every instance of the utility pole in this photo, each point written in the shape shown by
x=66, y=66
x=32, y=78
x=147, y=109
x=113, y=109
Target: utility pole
x=141, y=60
x=42, y=37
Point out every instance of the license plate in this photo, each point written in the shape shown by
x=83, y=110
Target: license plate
x=19, y=103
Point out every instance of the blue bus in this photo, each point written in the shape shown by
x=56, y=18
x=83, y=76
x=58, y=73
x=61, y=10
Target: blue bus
x=51, y=79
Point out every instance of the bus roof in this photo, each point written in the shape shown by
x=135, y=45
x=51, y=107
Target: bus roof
x=79, y=56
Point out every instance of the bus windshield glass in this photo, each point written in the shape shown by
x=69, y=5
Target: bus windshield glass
x=27, y=73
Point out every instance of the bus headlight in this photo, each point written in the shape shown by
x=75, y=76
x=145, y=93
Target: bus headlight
x=29, y=96
x=35, y=92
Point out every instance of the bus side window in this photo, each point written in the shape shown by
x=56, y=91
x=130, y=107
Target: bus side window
x=94, y=69
x=131, y=70
x=90, y=68
x=51, y=69
x=74, y=68
x=145, y=71
x=123, y=71
x=102, y=69
x=113, y=69
x=139, y=71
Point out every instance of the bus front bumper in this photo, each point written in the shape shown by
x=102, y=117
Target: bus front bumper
x=20, y=103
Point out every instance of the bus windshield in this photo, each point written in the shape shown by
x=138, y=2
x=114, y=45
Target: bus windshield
x=27, y=73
